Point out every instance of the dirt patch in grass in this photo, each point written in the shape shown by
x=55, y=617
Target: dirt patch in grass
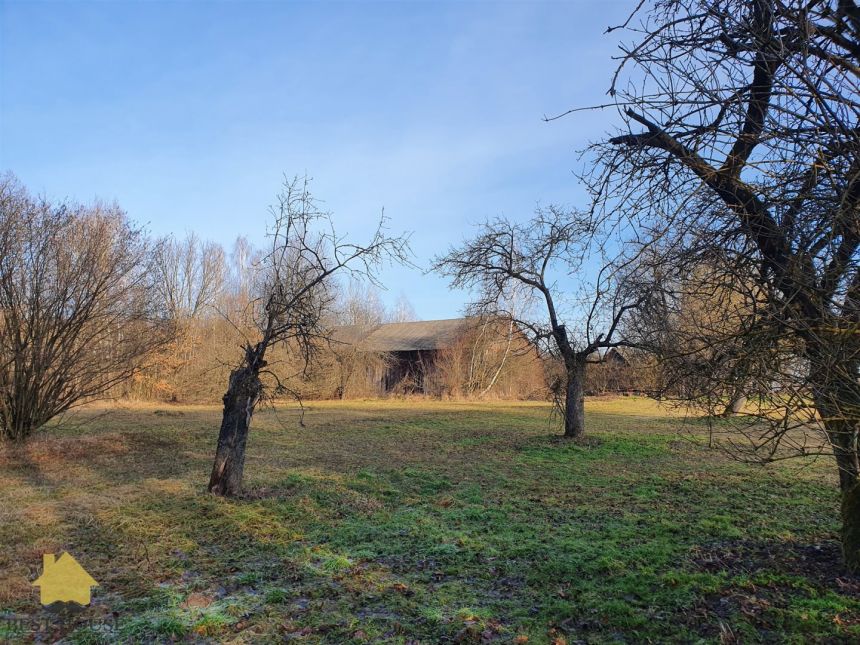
x=772, y=589
x=818, y=564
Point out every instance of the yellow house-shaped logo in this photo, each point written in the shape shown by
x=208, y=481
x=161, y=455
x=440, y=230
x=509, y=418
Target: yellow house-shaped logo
x=64, y=580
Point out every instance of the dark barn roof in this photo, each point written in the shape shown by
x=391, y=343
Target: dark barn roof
x=404, y=336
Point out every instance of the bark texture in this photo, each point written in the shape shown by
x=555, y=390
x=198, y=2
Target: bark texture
x=851, y=528
x=837, y=400
x=242, y=396
x=574, y=409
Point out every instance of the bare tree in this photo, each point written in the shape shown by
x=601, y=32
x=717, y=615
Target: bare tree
x=360, y=303
x=403, y=311
x=189, y=275
x=240, y=274
x=304, y=254
x=741, y=134
x=505, y=256
x=698, y=325
x=76, y=306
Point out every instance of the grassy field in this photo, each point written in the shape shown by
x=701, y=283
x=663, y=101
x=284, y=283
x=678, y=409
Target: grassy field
x=410, y=521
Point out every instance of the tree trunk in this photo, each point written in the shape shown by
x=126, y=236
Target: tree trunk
x=574, y=400
x=851, y=528
x=243, y=393
x=843, y=438
x=735, y=405
x=837, y=401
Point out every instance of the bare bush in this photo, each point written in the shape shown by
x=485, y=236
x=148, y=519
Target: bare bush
x=493, y=358
x=76, y=306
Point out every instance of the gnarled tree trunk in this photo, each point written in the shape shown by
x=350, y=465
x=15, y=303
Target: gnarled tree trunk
x=243, y=394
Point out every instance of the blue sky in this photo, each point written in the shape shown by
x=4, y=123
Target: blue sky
x=189, y=113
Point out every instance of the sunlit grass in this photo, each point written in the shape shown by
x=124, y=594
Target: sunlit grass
x=418, y=519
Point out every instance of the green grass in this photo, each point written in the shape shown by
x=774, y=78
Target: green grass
x=413, y=521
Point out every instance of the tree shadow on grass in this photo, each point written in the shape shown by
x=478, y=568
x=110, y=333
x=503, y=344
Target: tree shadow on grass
x=83, y=536
x=776, y=587
x=137, y=577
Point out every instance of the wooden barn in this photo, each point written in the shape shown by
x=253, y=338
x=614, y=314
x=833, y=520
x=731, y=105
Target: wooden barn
x=620, y=371
x=410, y=349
